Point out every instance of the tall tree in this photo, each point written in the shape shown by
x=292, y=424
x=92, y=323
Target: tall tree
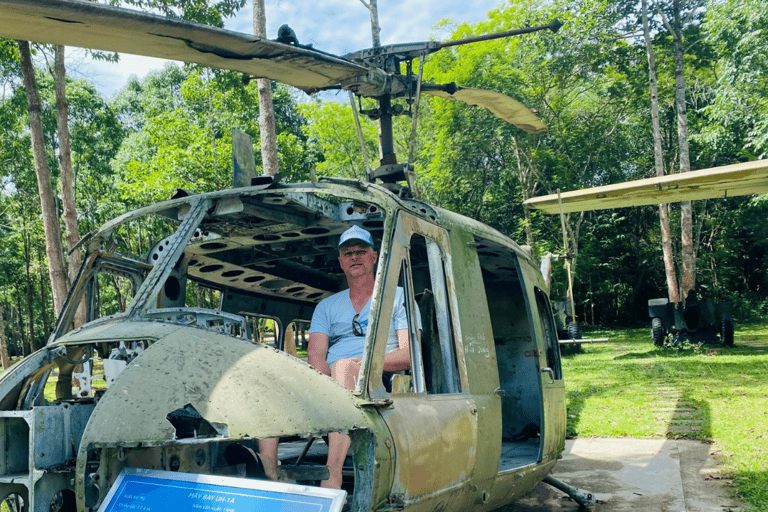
x=6, y=361
x=53, y=247
x=373, y=10
x=67, y=175
x=680, y=14
x=266, y=109
x=658, y=157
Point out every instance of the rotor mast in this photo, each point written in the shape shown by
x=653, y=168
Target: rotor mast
x=389, y=59
x=387, y=155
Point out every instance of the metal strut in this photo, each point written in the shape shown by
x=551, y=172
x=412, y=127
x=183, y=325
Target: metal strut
x=580, y=496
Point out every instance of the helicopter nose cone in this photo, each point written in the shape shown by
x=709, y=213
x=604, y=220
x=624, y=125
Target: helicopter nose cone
x=237, y=387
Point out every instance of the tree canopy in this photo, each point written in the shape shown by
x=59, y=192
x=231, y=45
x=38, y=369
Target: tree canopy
x=172, y=130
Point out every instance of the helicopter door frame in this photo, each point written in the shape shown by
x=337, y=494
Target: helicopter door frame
x=435, y=456
x=552, y=384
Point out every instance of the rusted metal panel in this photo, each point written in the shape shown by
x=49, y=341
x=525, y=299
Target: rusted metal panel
x=512, y=485
x=478, y=350
x=117, y=328
x=436, y=445
x=225, y=380
x=473, y=319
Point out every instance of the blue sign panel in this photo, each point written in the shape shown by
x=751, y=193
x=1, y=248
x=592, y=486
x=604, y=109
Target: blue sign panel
x=143, y=490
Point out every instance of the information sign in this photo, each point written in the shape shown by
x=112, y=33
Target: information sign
x=145, y=490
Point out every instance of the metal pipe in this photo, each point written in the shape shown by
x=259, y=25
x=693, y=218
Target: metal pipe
x=386, y=142
x=554, y=26
x=580, y=496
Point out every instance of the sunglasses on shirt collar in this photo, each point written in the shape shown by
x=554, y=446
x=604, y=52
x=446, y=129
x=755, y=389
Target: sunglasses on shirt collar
x=357, y=327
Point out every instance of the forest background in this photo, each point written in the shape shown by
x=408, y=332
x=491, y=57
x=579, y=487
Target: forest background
x=589, y=83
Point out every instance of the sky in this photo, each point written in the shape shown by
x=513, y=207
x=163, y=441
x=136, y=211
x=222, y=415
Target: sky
x=334, y=26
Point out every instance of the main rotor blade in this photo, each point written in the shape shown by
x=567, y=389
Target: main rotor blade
x=500, y=105
x=726, y=181
x=101, y=27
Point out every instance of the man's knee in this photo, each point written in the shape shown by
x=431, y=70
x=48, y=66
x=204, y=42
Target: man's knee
x=345, y=372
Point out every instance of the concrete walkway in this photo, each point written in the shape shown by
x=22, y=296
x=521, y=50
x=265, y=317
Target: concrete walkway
x=634, y=475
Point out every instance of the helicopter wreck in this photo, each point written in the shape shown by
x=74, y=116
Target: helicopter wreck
x=186, y=389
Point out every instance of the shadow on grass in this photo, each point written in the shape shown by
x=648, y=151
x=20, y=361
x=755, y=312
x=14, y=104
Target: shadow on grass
x=570, y=349
x=690, y=419
x=708, y=350
x=575, y=401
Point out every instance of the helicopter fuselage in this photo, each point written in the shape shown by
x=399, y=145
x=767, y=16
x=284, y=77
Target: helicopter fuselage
x=175, y=383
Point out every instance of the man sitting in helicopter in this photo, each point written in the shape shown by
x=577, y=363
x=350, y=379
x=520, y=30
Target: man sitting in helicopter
x=338, y=329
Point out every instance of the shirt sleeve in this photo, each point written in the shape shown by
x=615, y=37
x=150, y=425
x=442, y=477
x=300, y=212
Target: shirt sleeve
x=321, y=322
x=399, y=316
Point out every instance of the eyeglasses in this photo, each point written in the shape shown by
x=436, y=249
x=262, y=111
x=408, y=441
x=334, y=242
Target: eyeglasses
x=357, y=328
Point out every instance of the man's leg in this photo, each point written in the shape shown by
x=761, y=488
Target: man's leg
x=345, y=372
x=338, y=446
x=268, y=454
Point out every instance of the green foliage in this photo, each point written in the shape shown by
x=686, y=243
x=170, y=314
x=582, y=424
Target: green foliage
x=619, y=267
x=172, y=129
x=202, y=11
x=183, y=140
x=334, y=139
x=584, y=89
x=185, y=158
x=589, y=83
x=735, y=255
x=738, y=113
x=157, y=92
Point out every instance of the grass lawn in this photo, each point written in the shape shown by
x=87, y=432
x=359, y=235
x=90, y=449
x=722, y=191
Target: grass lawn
x=628, y=387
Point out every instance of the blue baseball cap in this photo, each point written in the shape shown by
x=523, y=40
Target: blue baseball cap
x=356, y=233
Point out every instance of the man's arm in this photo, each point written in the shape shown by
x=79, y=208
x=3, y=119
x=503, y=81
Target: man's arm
x=317, y=351
x=400, y=358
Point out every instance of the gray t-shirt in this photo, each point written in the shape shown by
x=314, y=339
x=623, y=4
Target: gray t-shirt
x=333, y=317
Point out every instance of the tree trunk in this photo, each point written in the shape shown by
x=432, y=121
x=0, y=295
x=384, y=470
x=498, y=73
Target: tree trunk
x=67, y=176
x=17, y=320
x=212, y=125
x=43, y=297
x=571, y=255
x=373, y=9
x=6, y=361
x=673, y=291
x=666, y=238
x=53, y=247
x=688, y=276
x=527, y=186
x=289, y=341
x=29, y=289
x=266, y=110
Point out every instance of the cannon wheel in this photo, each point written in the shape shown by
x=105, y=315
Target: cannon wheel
x=658, y=333
x=574, y=331
x=726, y=330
